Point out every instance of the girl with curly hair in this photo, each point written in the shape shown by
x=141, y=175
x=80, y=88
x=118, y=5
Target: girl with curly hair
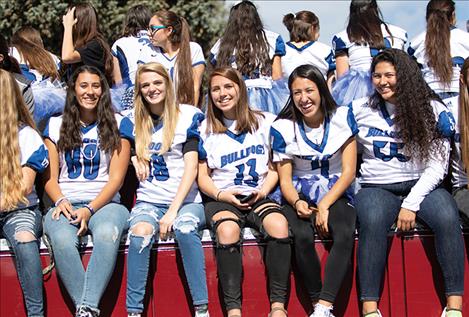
x=23, y=156
x=441, y=49
x=168, y=200
x=89, y=153
x=366, y=35
x=459, y=106
x=256, y=53
x=404, y=129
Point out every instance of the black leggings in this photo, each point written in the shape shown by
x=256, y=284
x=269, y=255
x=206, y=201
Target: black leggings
x=341, y=225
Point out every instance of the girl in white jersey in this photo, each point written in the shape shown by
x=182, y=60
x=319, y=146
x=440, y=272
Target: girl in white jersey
x=89, y=153
x=315, y=151
x=166, y=142
x=23, y=156
x=365, y=36
x=441, y=49
x=459, y=106
x=171, y=47
x=404, y=130
x=303, y=47
x=236, y=174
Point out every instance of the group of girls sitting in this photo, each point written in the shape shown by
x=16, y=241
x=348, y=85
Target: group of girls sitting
x=289, y=175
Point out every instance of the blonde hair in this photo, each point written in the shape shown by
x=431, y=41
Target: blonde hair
x=14, y=113
x=464, y=113
x=143, y=120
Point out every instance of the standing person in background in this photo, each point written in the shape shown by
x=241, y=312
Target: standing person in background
x=23, y=156
x=172, y=47
x=303, y=47
x=256, y=53
x=441, y=49
x=83, y=43
x=366, y=35
x=126, y=50
x=459, y=106
x=166, y=143
x=89, y=152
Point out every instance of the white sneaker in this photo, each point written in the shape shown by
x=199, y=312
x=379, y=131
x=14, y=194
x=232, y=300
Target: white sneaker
x=376, y=313
x=201, y=311
x=134, y=315
x=322, y=311
x=451, y=313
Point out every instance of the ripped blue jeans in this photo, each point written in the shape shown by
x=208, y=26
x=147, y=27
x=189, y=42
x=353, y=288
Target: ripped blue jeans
x=189, y=221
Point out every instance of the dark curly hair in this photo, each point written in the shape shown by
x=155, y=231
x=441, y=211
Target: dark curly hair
x=70, y=130
x=328, y=105
x=414, y=118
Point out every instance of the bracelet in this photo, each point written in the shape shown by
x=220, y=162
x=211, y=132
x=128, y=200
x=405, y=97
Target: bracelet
x=89, y=208
x=296, y=201
x=218, y=195
x=57, y=203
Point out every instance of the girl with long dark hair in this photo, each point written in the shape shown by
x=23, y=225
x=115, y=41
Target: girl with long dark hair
x=441, y=49
x=256, y=53
x=237, y=177
x=315, y=151
x=89, y=153
x=365, y=36
x=404, y=130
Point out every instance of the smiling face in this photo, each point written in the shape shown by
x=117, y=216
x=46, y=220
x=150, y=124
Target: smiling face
x=225, y=95
x=88, y=90
x=384, y=80
x=153, y=88
x=307, y=100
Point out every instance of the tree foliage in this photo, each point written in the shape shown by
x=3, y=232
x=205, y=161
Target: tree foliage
x=206, y=18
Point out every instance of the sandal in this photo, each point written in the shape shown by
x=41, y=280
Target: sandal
x=277, y=309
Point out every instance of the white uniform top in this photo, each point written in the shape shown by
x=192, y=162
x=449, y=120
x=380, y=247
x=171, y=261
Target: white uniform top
x=238, y=161
x=34, y=155
x=292, y=141
x=383, y=161
x=360, y=56
x=84, y=171
x=166, y=170
x=30, y=73
x=127, y=50
x=458, y=175
x=312, y=53
x=459, y=50
x=152, y=53
x=276, y=48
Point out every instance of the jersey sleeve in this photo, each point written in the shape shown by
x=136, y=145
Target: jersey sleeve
x=445, y=120
x=33, y=151
x=330, y=60
x=126, y=129
x=52, y=130
x=279, y=47
x=338, y=45
x=197, y=54
x=214, y=52
x=282, y=136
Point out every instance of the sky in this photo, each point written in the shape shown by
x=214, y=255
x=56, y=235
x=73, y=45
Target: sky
x=333, y=14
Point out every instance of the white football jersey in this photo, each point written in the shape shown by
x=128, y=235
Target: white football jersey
x=127, y=50
x=360, y=56
x=152, y=53
x=166, y=170
x=84, y=171
x=383, y=158
x=459, y=50
x=312, y=53
x=238, y=161
x=290, y=140
x=276, y=48
x=459, y=175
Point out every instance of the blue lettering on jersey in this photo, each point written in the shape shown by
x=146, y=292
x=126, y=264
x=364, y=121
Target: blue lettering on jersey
x=155, y=146
x=393, y=151
x=378, y=132
x=252, y=172
x=158, y=168
x=236, y=156
x=322, y=164
x=91, y=159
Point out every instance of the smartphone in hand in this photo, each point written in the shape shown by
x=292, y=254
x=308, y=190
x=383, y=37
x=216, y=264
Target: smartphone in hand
x=247, y=198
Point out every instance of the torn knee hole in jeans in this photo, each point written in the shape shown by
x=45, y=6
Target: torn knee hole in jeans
x=25, y=236
x=186, y=223
x=146, y=238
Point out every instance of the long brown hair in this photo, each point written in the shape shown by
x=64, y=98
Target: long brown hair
x=301, y=26
x=364, y=24
x=181, y=36
x=14, y=114
x=246, y=118
x=464, y=113
x=87, y=29
x=437, y=45
x=70, y=130
x=245, y=38
x=28, y=42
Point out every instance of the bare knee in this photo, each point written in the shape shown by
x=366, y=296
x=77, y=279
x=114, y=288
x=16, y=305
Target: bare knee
x=228, y=232
x=142, y=229
x=276, y=225
x=24, y=236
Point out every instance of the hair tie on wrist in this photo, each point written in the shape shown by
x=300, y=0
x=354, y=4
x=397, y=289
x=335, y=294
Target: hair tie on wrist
x=218, y=195
x=89, y=208
x=296, y=201
x=60, y=200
